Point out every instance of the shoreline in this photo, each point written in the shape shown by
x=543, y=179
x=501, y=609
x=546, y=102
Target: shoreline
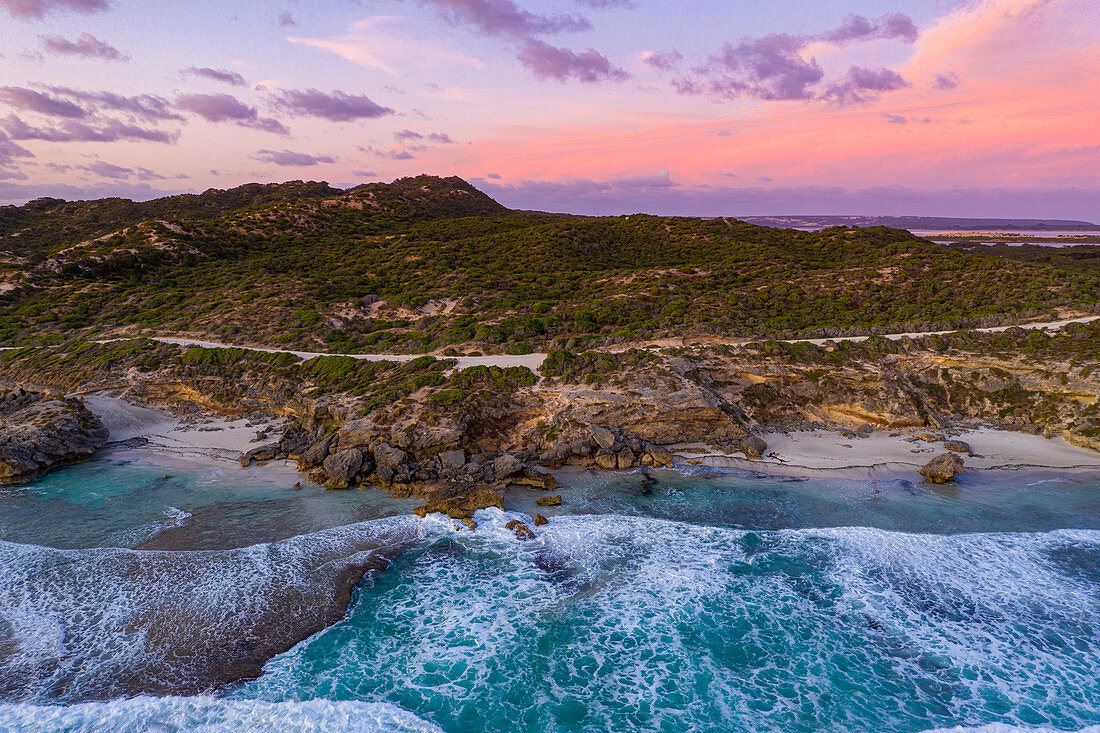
x=156, y=437
x=826, y=454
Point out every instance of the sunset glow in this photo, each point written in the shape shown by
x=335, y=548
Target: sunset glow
x=953, y=108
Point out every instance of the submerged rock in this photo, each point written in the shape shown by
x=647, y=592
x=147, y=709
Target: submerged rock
x=521, y=530
x=942, y=469
x=548, y=501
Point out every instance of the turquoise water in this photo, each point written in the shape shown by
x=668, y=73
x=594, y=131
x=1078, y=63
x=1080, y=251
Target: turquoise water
x=660, y=602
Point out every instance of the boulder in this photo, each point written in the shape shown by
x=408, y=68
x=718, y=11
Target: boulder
x=958, y=446
x=385, y=474
x=521, y=530
x=541, y=520
x=581, y=448
x=625, y=459
x=459, y=500
x=453, y=460
x=753, y=446
x=505, y=466
x=315, y=454
x=548, y=501
x=536, y=479
x=263, y=453
x=603, y=437
x=661, y=456
x=942, y=468
x=386, y=455
x=607, y=460
x=342, y=468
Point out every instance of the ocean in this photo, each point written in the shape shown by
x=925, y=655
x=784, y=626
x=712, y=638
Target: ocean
x=222, y=599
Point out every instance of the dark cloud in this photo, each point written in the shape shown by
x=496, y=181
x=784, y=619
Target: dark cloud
x=32, y=101
x=222, y=75
x=336, y=107
x=226, y=108
x=663, y=61
x=10, y=152
x=87, y=46
x=896, y=26
x=104, y=131
x=860, y=84
x=291, y=158
x=771, y=67
x=550, y=62
x=104, y=169
x=435, y=137
x=286, y=20
x=40, y=8
x=146, y=106
x=775, y=66
x=945, y=81
x=364, y=174
x=895, y=119
x=505, y=18
x=493, y=176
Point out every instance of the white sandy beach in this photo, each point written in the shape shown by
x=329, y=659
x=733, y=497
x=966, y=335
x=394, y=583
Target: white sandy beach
x=823, y=452
x=171, y=441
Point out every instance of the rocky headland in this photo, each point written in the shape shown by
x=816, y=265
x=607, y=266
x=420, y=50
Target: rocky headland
x=40, y=430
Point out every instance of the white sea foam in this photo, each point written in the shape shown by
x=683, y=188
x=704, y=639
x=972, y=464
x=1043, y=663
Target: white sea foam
x=107, y=621
x=643, y=623
x=211, y=715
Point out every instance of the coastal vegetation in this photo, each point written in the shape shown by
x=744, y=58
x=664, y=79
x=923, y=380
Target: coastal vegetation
x=427, y=264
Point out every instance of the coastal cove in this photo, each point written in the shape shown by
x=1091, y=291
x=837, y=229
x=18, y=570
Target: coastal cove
x=677, y=599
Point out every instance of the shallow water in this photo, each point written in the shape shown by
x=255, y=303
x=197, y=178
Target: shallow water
x=652, y=601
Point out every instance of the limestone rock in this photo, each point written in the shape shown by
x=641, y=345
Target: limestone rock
x=661, y=456
x=263, y=453
x=521, y=530
x=39, y=431
x=958, y=446
x=541, y=520
x=753, y=446
x=548, y=501
x=603, y=437
x=607, y=460
x=315, y=454
x=387, y=455
x=505, y=466
x=625, y=459
x=342, y=468
x=453, y=460
x=942, y=468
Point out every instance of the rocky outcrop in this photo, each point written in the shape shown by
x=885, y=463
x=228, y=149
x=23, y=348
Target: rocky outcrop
x=39, y=431
x=943, y=468
x=342, y=468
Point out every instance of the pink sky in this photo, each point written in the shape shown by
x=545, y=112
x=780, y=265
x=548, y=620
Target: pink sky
x=963, y=108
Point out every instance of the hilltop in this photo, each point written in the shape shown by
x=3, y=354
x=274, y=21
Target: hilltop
x=431, y=264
